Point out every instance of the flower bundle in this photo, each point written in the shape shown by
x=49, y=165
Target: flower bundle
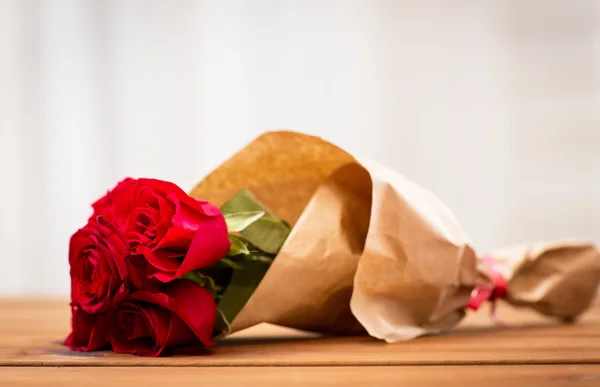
x=157, y=271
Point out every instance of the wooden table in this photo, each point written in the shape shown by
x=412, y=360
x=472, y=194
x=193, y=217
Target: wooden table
x=531, y=352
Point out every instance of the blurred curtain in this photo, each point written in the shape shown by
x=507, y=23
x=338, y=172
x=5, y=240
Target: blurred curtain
x=493, y=105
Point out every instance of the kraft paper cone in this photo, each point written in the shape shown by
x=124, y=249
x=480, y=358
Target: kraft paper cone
x=371, y=250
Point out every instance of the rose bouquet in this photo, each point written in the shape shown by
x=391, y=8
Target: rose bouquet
x=152, y=263
x=157, y=271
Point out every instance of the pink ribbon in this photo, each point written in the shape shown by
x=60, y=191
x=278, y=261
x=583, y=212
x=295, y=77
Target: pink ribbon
x=489, y=292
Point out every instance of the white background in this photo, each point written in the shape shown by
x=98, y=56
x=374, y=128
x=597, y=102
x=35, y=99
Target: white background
x=493, y=105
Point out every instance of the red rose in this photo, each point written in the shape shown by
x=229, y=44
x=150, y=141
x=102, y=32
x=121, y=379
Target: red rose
x=99, y=271
x=174, y=232
x=88, y=332
x=179, y=320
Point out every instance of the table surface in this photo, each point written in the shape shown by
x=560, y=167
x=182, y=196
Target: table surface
x=529, y=351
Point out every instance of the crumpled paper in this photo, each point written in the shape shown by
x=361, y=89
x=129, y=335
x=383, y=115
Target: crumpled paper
x=372, y=251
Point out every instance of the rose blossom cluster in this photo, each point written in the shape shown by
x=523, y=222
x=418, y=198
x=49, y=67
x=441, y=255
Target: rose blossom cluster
x=126, y=268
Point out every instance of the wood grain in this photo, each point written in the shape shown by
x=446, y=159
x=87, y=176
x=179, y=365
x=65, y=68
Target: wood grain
x=31, y=332
x=448, y=376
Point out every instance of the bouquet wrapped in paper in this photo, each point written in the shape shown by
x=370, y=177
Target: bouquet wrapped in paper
x=295, y=231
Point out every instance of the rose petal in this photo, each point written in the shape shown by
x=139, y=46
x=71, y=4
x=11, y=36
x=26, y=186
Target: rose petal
x=163, y=260
x=191, y=302
x=87, y=331
x=209, y=246
x=180, y=338
x=208, y=208
x=151, y=319
x=97, y=266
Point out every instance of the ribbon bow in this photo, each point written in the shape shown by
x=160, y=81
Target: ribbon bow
x=489, y=292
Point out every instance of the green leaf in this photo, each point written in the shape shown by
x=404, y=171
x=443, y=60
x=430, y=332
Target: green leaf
x=207, y=282
x=286, y=224
x=238, y=246
x=238, y=221
x=231, y=263
x=242, y=285
x=260, y=257
x=267, y=233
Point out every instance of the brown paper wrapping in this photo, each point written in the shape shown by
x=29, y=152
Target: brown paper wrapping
x=371, y=250
x=556, y=279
